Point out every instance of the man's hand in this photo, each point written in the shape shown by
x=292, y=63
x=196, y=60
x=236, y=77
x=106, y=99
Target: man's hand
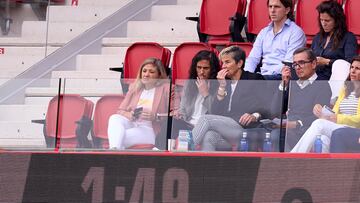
x=317, y=110
x=286, y=74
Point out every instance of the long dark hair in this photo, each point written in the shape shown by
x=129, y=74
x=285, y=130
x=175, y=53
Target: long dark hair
x=349, y=86
x=335, y=11
x=287, y=4
x=191, y=89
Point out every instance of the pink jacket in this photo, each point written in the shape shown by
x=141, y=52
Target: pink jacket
x=160, y=103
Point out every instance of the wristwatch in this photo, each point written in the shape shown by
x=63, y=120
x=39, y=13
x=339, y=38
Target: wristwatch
x=257, y=116
x=224, y=94
x=299, y=124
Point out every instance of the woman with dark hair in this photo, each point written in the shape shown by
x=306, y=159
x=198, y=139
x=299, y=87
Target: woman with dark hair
x=346, y=113
x=334, y=45
x=235, y=107
x=136, y=121
x=199, y=91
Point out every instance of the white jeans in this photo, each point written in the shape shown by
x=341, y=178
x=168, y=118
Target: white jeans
x=318, y=127
x=124, y=133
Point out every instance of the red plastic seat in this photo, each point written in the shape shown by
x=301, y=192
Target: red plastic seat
x=221, y=21
x=105, y=107
x=306, y=17
x=183, y=55
x=353, y=17
x=258, y=16
x=246, y=46
x=138, y=52
x=61, y=120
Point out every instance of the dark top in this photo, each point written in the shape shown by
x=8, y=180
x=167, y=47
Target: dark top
x=300, y=106
x=346, y=50
x=244, y=100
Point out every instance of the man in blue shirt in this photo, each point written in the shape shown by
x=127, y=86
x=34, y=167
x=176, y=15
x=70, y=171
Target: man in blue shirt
x=276, y=42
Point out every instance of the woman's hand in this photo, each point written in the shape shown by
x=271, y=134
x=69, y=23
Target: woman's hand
x=176, y=114
x=202, y=86
x=221, y=77
x=317, y=110
x=322, y=61
x=246, y=119
x=147, y=115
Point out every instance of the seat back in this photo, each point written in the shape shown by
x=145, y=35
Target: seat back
x=62, y=117
x=306, y=17
x=246, y=46
x=105, y=107
x=258, y=16
x=340, y=73
x=182, y=58
x=138, y=52
x=215, y=17
x=352, y=17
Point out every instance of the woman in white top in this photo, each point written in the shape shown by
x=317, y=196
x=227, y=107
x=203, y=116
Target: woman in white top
x=149, y=94
x=199, y=92
x=346, y=113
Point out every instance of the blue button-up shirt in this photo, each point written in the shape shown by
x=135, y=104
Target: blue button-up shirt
x=275, y=48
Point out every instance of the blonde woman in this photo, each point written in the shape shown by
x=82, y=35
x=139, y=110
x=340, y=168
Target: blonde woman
x=136, y=121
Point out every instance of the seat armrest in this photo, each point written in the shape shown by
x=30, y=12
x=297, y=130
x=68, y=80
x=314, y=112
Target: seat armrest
x=39, y=121
x=196, y=19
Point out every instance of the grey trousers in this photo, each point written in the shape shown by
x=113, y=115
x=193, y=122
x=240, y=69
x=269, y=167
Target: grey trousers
x=214, y=131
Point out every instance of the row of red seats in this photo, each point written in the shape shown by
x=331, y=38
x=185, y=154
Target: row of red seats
x=218, y=26
x=64, y=118
x=183, y=55
x=69, y=121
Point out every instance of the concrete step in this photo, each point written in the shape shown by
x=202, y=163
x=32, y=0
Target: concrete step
x=87, y=79
x=27, y=51
x=98, y=62
x=173, y=12
x=86, y=92
x=20, y=130
x=164, y=41
x=24, y=113
x=80, y=13
x=95, y=3
x=58, y=32
x=161, y=29
x=23, y=144
x=45, y=100
x=189, y=2
x=18, y=62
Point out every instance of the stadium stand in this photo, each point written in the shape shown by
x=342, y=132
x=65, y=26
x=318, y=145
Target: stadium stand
x=305, y=15
x=352, y=17
x=67, y=122
x=220, y=25
x=257, y=18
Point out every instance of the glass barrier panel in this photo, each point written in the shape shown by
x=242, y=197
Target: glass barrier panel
x=23, y=35
x=95, y=114
x=204, y=120
x=311, y=118
x=28, y=119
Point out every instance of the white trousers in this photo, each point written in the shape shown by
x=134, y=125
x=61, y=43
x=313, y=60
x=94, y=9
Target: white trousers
x=321, y=127
x=124, y=133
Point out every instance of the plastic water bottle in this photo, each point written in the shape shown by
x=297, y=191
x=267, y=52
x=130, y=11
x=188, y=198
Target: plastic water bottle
x=318, y=144
x=244, y=144
x=267, y=146
x=191, y=141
